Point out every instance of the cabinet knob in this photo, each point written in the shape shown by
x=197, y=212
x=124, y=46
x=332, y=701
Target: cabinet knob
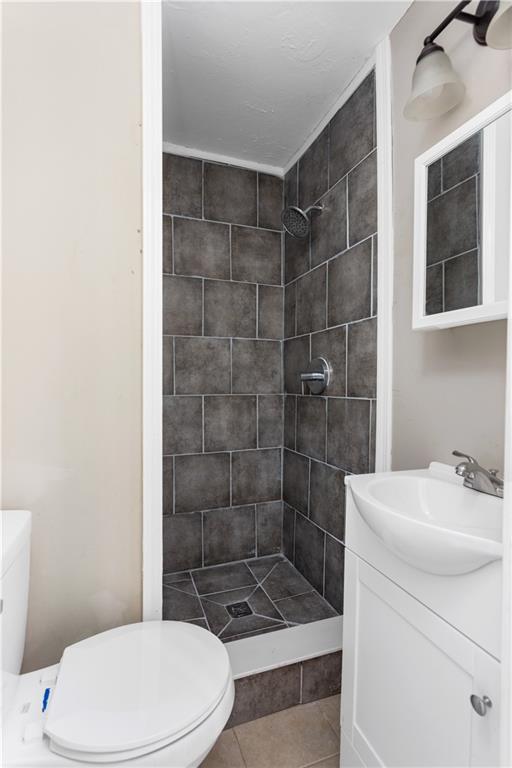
x=480, y=704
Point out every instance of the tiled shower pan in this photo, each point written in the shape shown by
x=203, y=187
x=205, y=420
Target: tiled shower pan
x=243, y=599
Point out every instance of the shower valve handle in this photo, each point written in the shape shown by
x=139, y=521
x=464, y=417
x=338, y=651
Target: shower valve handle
x=312, y=377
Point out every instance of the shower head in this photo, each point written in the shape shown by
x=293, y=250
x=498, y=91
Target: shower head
x=296, y=221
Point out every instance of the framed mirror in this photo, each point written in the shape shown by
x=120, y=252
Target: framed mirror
x=462, y=223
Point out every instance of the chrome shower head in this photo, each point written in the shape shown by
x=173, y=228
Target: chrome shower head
x=296, y=221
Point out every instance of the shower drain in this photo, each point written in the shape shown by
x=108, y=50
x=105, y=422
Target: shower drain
x=237, y=610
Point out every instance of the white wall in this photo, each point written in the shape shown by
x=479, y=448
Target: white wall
x=72, y=311
x=449, y=386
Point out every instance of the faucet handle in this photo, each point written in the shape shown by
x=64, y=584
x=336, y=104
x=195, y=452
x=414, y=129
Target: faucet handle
x=494, y=472
x=461, y=455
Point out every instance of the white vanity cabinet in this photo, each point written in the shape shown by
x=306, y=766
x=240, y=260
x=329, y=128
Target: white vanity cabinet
x=418, y=644
x=407, y=681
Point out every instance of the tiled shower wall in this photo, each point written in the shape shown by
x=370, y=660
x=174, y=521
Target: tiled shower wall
x=222, y=361
x=453, y=229
x=330, y=311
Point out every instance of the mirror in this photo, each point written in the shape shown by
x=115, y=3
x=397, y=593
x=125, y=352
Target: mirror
x=462, y=223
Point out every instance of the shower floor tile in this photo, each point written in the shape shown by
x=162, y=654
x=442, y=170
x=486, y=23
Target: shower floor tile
x=243, y=599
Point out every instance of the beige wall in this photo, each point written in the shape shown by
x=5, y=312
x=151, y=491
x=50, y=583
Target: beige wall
x=449, y=386
x=72, y=311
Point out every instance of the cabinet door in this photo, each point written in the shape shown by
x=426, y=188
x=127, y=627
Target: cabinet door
x=407, y=680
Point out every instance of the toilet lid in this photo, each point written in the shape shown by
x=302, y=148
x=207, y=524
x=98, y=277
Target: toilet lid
x=136, y=685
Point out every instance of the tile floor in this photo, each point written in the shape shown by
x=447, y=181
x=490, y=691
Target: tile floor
x=307, y=735
x=242, y=599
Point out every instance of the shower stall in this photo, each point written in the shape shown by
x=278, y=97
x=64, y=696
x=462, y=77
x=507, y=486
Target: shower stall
x=269, y=377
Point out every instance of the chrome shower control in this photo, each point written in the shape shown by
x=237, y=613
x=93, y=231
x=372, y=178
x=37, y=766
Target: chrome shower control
x=480, y=704
x=317, y=376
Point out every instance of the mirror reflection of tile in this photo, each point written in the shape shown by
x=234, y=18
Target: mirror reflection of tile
x=453, y=229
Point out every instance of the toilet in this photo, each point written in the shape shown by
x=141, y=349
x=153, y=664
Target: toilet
x=155, y=693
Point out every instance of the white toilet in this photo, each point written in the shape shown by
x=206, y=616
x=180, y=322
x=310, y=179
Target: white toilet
x=153, y=694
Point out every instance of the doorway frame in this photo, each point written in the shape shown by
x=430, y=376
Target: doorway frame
x=152, y=145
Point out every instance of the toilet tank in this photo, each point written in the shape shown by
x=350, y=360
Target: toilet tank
x=16, y=526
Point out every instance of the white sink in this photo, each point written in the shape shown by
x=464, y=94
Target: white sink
x=430, y=520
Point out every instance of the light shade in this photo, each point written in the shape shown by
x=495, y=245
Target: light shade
x=499, y=31
x=436, y=87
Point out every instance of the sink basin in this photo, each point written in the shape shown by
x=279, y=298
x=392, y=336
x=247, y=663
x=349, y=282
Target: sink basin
x=431, y=522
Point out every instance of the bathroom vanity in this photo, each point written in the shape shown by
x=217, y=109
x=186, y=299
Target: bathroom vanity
x=421, y=644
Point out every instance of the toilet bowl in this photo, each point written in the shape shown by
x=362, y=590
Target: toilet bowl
x=156, y=693
x=149, y=694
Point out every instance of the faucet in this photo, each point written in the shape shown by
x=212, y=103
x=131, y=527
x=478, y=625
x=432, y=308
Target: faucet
x=478, y=478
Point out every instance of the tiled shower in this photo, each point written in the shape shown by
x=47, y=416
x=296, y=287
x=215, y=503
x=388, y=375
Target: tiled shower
x=253, y=466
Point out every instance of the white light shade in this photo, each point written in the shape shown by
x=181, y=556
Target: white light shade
x=436, y=88
x=499, y=31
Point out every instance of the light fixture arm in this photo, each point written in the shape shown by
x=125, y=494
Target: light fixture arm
x=480, y=21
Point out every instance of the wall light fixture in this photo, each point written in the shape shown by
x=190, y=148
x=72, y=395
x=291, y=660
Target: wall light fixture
x=436, y=87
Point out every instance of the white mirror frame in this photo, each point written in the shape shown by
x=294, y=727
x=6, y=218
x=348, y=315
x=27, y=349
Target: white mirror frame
x=495, y=206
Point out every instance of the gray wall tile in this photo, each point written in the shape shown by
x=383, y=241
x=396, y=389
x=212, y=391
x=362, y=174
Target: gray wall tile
x=201, y=482
x=334, y=573
x=327, y=498
x=321, y=677
x=168, y=488
x=375, y=270
x=182, y=306
x=229, y=534
x=434, y=289
x=202, y=366
x=256, y=255
x=256, y=366
x=256, y=475
x=270, y=312
x=167, y=245
x=352, y=130
x=296, y=257
x=331, y=345
x=270, y=421
x=462, y=162
x=296, y=360
x=434, y=179
x=182, y=548
x=290, y=410
x=167, y=365
x=182, y=185
x=288, y=532
x=362, y=200
x=348, y=432
x=362, y=359
x=311, y=300
x=290, y=186
x=311, y=425
x=182, y=425
x=313, y=170
x=296, y=480
x=229, y=422
x=452, y=222
x=270, y=201
x=229, y=309
x=290, y=307
x=201, y=248
x=461, y=281
x=329, y=228
x=269, y=527
x=230, y=194
x=350, y=287
x=259, y=695
x=309, y=552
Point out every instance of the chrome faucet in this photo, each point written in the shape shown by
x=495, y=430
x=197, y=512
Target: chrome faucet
x=478, y=478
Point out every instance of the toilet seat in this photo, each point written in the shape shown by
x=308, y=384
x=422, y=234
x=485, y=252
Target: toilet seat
x=134, y=689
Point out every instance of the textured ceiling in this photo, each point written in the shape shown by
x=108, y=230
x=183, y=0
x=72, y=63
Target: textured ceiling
x=251, y=80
